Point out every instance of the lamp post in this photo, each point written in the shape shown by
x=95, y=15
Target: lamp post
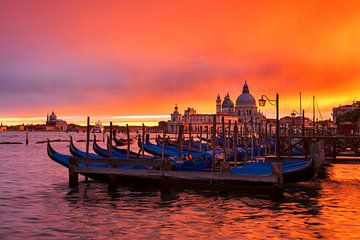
x=262, y=103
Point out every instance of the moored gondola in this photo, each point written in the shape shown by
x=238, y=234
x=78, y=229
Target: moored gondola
x=293, y=170
x=170, y=151
x=122, y=142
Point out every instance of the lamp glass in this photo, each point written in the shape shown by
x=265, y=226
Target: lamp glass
x=262, y=102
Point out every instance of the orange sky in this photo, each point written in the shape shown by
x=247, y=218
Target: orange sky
x=118, y=58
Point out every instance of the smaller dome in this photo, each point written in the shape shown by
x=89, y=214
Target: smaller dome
x=227, y=103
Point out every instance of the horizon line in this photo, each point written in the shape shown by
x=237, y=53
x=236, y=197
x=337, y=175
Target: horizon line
x=80, y=120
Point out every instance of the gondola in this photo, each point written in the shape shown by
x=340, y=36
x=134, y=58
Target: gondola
x=64, y=160
x=195, y=148
x=170, y=151
x=168, y=142
x=78, y=153
x=176, y=164
x=121, y=142
x=116, y=152
x=293, y=170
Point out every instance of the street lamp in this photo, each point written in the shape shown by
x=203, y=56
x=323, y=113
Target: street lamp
x=273, y=102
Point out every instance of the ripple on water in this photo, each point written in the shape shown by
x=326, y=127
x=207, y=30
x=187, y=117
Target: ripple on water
x=36, y=203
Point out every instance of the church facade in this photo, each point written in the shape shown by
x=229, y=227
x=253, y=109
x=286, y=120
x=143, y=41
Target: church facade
x=55, y=124
x=244, y=112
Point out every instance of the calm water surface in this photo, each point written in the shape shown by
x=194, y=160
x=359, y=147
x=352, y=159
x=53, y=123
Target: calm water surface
x=36, y=203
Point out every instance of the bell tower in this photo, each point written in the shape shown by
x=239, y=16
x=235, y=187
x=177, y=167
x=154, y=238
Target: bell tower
x=218, y=104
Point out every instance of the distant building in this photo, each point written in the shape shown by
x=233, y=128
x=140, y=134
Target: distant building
x=245, y=108
x=162, y=126
x=244, y=112
x=341, y=110
x=3, y=128
x=347, y=128
x=55, y=124
x=20, y=128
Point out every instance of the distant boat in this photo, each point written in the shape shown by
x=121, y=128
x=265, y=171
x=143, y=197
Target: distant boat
x=98, y=128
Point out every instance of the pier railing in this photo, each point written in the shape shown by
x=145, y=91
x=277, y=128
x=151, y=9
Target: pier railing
x=334, y=145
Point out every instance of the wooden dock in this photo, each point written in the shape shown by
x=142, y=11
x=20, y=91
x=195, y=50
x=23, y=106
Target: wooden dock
x=160, y=172
x=337, y=160
x=216, y=178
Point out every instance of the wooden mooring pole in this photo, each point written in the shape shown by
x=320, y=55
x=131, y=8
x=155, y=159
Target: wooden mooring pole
x=110, y=142
x=290, y=133
x=128, y=141
x=270, y=138
x=113, y=178
x=224, y=143
x=163, y=145
x=73, y=174
x=246, y=142
x=180, y=139
x=235, y=142
x=213, y=144
x=200, y=145
x=241, y=135
x=334, y=148
x=277, y=171
x=266, y=139
x=143, y=140
x=317, y=152
x=190, y=129
x=27, y=136
x=207, y=138
x=259, y=140
x=252, y=139
x=228, y=143
x=87, y=143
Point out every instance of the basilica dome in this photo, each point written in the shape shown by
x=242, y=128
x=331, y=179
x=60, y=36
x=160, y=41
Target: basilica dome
x=52, y=116
x=245, y=98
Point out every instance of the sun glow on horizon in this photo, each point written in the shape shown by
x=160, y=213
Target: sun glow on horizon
x=132, y=120
x=121, y=61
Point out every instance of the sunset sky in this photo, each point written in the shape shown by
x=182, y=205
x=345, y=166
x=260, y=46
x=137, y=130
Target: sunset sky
x=115, y=59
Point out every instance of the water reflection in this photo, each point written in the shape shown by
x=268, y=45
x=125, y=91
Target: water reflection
x=36, y=202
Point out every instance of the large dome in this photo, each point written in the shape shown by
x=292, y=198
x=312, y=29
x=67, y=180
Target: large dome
x=245, y=98
x=52, y=116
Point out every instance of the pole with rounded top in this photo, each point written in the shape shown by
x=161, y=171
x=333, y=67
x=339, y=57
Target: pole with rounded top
x=262, y=102
x=277, y=129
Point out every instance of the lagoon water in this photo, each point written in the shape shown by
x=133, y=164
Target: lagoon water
x=36, y=203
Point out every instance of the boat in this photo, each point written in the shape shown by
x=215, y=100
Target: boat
x=78, y=153
x=194, y=148
x=122, y=142
x=98, y=128
x=170, y=151
x=191, y=146
x=64, y=160
x=293, y=170
x=176, y=163
x=116, y=152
